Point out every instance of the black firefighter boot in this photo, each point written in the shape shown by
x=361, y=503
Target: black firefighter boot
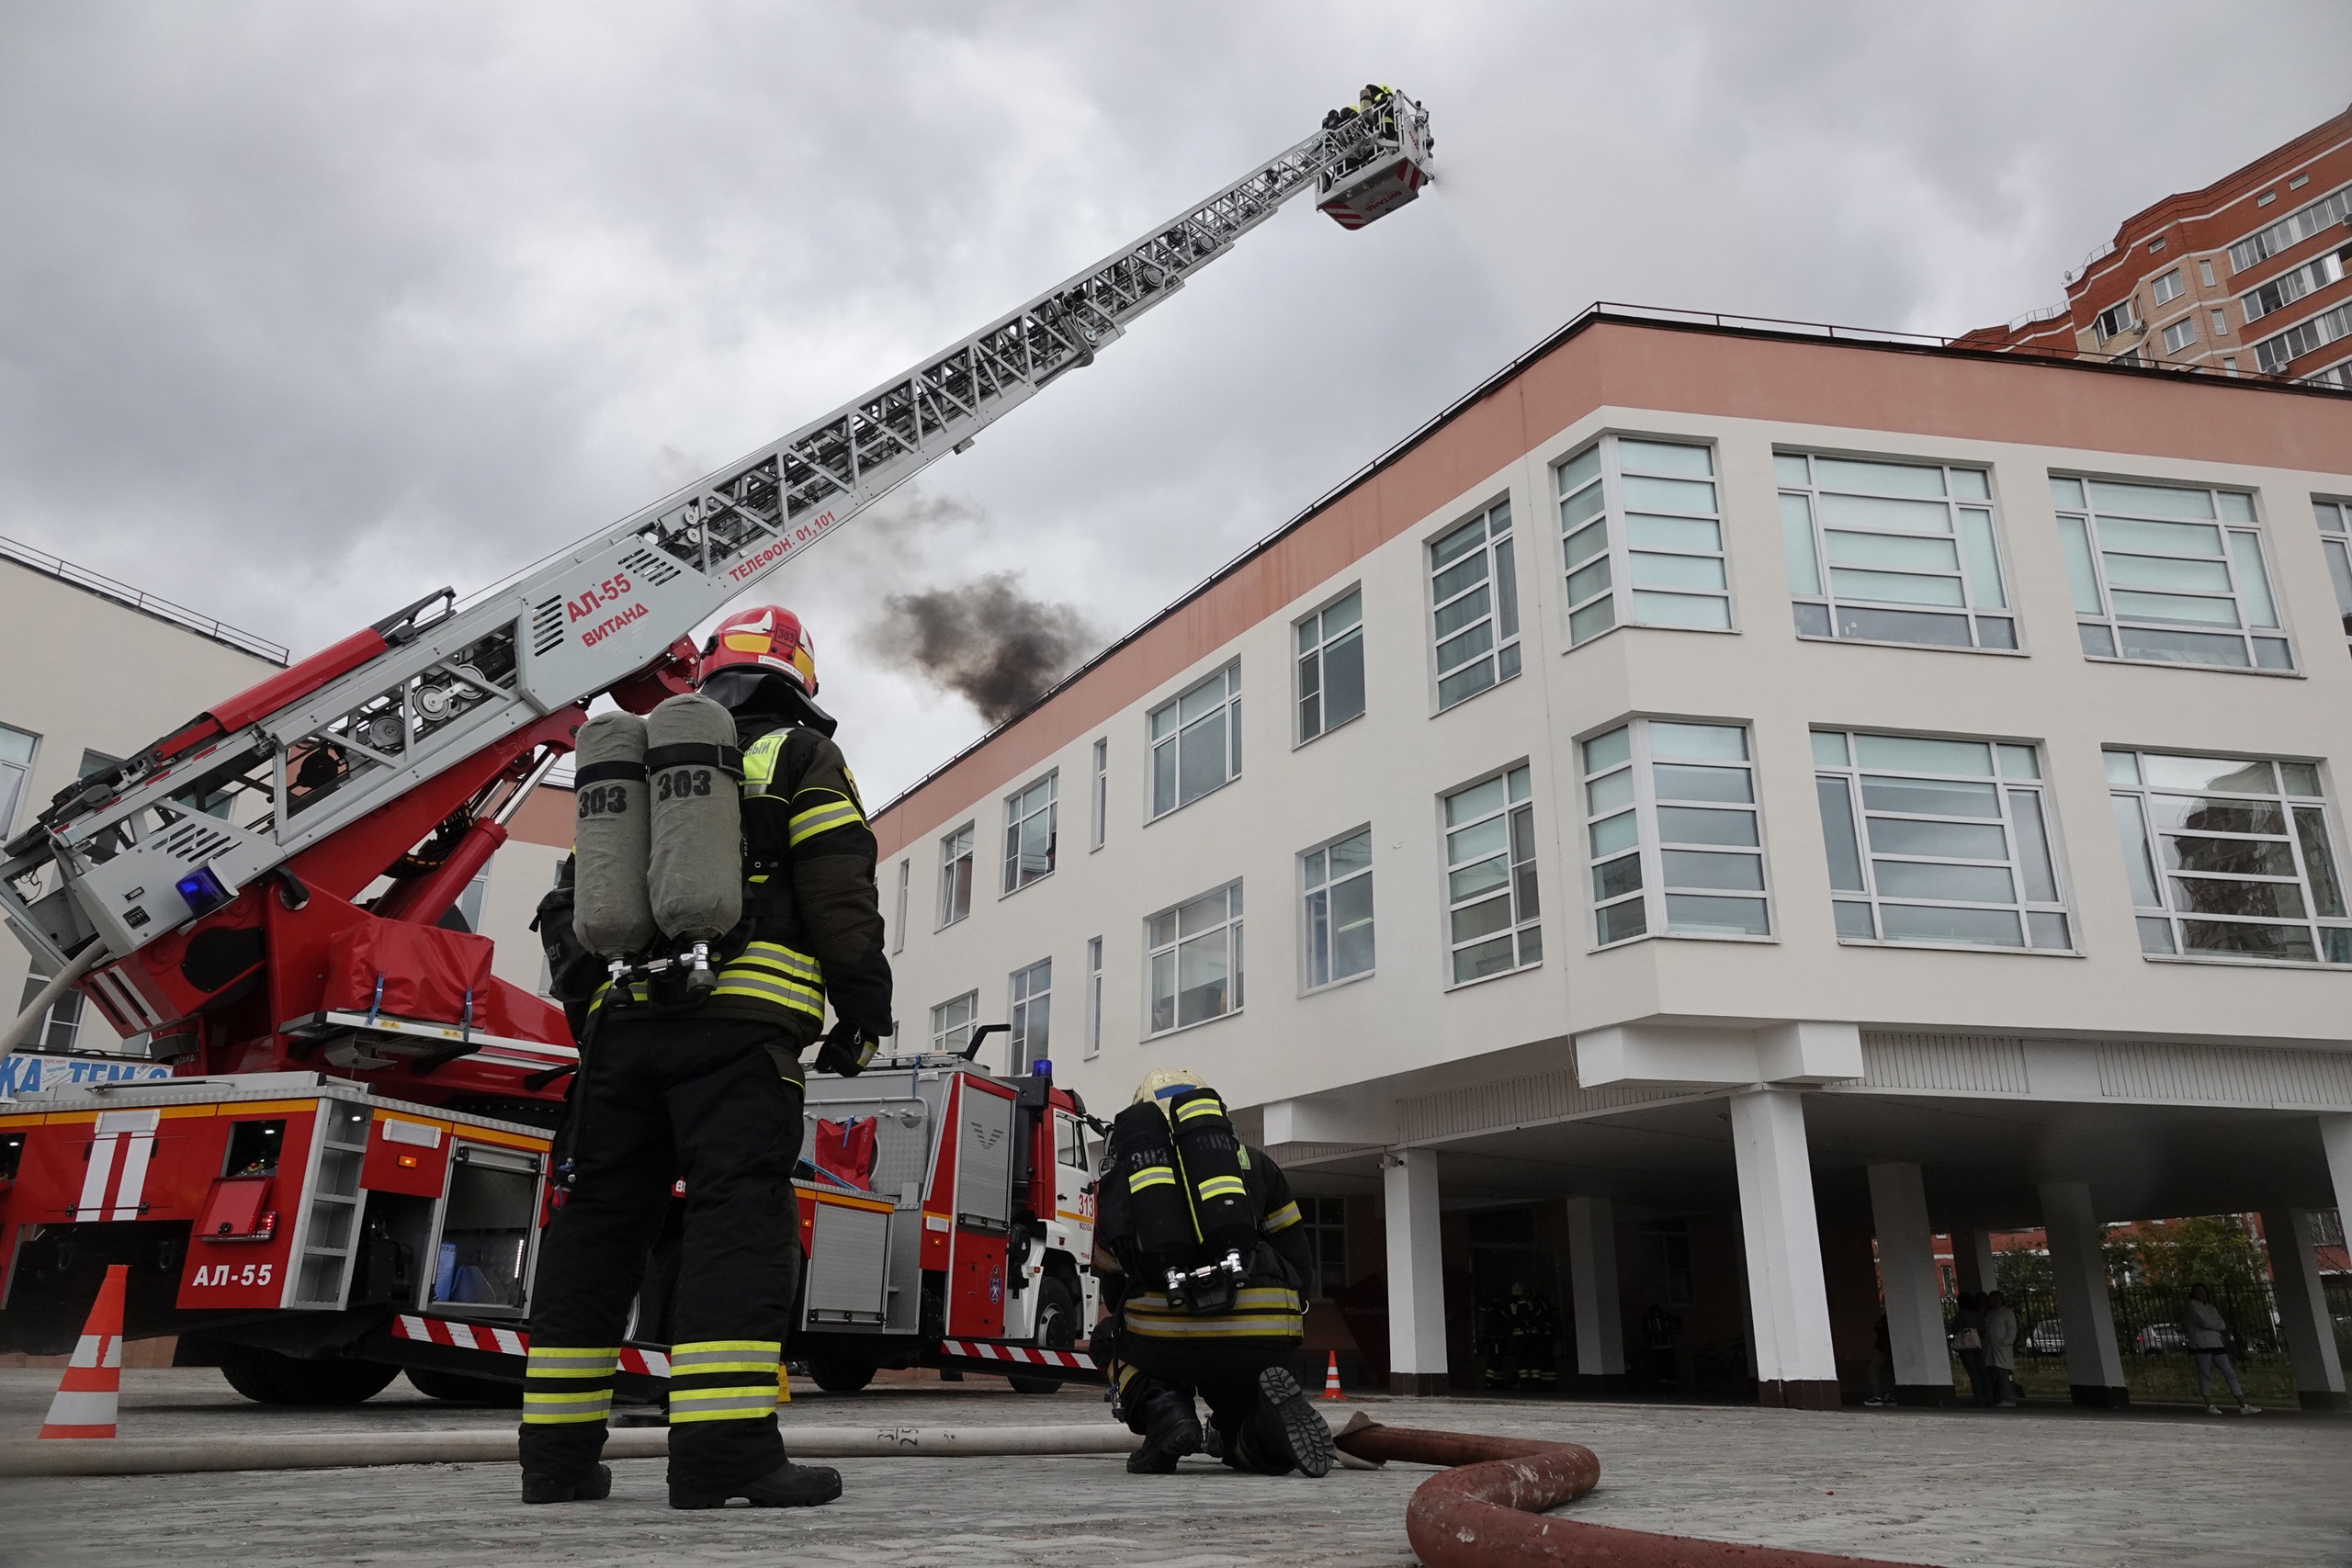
x=788, y=1486
x=593, y=1487
x=1172, y=1431
x=1282, y=1431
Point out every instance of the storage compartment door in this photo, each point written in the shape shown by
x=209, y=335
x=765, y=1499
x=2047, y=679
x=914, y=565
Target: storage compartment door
x=848, y=1262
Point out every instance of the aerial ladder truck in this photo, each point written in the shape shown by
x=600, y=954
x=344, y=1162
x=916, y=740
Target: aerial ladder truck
x=347, y=1171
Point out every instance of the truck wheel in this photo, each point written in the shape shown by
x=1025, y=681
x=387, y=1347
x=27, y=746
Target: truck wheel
x=459, y=1389
x=1057, y=1330
x=267, y=1378
x=840, y=1374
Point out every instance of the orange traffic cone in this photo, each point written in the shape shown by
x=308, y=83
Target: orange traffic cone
x=85, y=1405
x=1331, y=1378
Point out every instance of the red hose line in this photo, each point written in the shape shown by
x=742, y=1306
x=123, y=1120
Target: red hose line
x=1487, y=1510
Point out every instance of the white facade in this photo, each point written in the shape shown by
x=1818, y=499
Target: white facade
x=1602, y=1070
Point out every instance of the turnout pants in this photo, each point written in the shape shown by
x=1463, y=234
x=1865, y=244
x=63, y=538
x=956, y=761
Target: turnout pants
x=662, y=1098
x=1215, y=1357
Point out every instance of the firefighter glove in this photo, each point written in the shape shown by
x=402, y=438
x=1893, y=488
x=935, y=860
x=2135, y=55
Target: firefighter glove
x=850, y=1046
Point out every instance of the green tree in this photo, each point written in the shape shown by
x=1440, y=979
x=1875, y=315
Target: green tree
x=2214, y=1249
x=2021, y=1272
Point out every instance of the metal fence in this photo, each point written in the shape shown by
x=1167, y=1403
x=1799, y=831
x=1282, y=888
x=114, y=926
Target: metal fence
x=2149, y=1319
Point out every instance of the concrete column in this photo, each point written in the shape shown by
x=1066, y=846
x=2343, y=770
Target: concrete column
x=1592, y=1285
x=1907, y=1267
x=1787, y=1299
x=2094, y=1366
x=2336, y=1135
x=1973, y=1265
x=1415, y=1273
x=2303, y=1309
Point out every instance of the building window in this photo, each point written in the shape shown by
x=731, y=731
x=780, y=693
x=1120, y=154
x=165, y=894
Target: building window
x=1473, y=594
x=2168, y=574
x=1030, y=1015
x=2205, y=273
x=1491, y=899
x=16, y=767
x=956, y=876
x=1196, y=742
x=1938, y=841
x=1093, y=995
x=2292, y=230
x=2306, y=336
x=1670, y=829
x=2230, y=858
x=2114, y=322
x=899, y=918
x=1032, y=820
x=1100, y=805
x=1337, y=878
x=951, y=1023
x=2180, y=334
x=2334, y=542
x=1892, y=552
x=1325, y=1222
x=1193, y=955
x=1641, y=527
x=2169, y=288
x=63, y=1025
x=2219, y=323
x=1331, y=666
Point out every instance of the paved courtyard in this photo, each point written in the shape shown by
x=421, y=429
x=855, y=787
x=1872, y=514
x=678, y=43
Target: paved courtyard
x=2032, y=1487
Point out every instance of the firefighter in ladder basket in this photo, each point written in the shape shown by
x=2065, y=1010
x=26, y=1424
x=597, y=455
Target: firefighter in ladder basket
x=1202, y=1255
x=722, y=918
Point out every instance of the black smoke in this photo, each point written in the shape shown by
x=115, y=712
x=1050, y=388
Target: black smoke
x=986, y=642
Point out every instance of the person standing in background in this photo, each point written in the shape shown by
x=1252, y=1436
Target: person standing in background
x=2000, y=1352
x=1968, y=1338
x=2209, y=1350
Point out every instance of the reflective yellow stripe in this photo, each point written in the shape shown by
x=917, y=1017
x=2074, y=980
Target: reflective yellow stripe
x=550, y=1409
x=774, y=1348
x=740, y=1403
x=1282, y=1219
x=1210, y=1106
x=781, y=956
x=546, y=1360
x=759, y=763
x=1224, y=1187
x=821, y=819
x=779, y=993
x=1151, y=1176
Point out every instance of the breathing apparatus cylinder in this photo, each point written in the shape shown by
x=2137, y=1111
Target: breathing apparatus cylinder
x=695, y=872
x=1215, y=1163
x=612, y=913
x=1143, y=1156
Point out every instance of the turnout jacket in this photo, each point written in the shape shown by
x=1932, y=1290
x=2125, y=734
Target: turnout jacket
x=1268, y=1307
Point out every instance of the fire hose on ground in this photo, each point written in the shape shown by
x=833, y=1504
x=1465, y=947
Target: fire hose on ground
x=1486, y=1507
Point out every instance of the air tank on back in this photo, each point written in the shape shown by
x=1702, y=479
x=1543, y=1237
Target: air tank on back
x=612, y=835
x=694, y=873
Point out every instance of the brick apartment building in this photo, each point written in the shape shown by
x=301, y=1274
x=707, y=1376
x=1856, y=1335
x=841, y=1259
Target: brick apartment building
x=2244, y=276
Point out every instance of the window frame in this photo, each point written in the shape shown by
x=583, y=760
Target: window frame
x=2146, y=859
x=1093, y=996
x=946, y=911
x=1650, y=844
x=17, y=776
x=1505, y=653
x=61, y=1023
x=1525, y=930
x=1024, y=1009
x=1309, y=890
x=899, y=925
x=1229, y=705
x=2165, y=297
x=971, y=998
x=1050, y=782
x=1848, y=774
x=1099, y=797
x=1320, y=653
x=2079, y=543
x=2333, y=516
x=1984, y=618
x=1617, y=590
x=1324, y=1219
x=1232, y=927
x=2165, y=334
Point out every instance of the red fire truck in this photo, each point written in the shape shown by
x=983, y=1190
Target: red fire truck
x=347, y=1173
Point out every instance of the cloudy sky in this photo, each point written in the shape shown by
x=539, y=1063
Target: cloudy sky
x=306, y=309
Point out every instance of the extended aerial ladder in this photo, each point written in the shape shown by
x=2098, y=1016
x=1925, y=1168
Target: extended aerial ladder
x=437, y=720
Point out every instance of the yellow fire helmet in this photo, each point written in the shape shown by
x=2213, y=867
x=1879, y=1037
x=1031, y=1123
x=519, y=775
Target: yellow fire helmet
x=1166, y=1085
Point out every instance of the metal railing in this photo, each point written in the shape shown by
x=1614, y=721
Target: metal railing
x=146, y=604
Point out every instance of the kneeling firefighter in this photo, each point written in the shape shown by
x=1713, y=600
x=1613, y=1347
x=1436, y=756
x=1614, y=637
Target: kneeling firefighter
x=723, y=918
x=1199, y=1247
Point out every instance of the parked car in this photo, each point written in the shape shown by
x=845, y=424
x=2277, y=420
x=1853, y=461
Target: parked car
x=2047, y=1337
x=2160, y=1338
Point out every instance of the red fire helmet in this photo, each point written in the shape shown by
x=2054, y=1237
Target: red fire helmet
x=765, y=638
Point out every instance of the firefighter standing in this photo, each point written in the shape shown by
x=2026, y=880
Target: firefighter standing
x=1201, y=1254
x=1533, y=1329
x=702, y=1080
